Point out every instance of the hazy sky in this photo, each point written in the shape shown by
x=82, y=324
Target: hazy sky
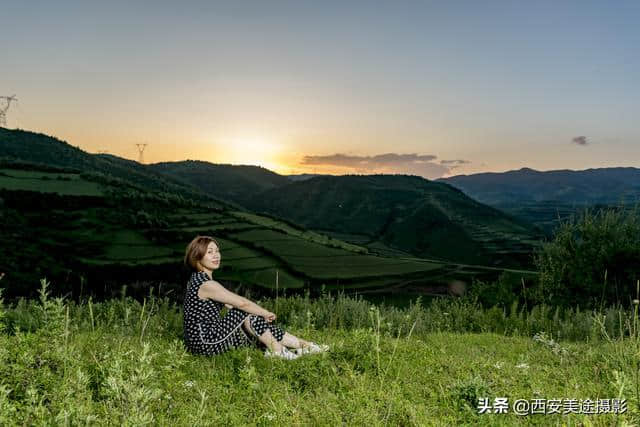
x=434, y=88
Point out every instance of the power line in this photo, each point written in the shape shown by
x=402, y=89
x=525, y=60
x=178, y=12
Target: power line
x=141, y=148
x=5, y=108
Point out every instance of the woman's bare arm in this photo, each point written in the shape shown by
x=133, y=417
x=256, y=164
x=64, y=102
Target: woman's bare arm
x=215, y=291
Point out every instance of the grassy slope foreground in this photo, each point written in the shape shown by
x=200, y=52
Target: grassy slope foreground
x=123, y=363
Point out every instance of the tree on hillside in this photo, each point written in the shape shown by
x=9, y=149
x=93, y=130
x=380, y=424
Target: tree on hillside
x=593, y=259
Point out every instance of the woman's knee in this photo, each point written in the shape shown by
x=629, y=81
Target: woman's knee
x=247, y=327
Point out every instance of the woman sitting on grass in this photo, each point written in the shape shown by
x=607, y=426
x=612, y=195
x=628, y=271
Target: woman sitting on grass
x=206, y=332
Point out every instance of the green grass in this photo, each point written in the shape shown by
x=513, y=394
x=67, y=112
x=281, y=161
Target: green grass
x=133, y=246
x=267, y=278
x=138, y=253
x=242, y=258
x=322, y=262
x=304, y=234
x=196, y=216
x=123, y=362
x=214, y=228
x=48, y=182
x=135, y=261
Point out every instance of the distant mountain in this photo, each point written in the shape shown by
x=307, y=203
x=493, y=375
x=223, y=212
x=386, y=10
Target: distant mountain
x=547, y=198
x=227, y=182
x=303, y=176
x=587, y=187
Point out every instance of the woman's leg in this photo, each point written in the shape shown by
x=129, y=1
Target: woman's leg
x=286, y=339
x=265, y=338
x=292, y=341
x=275, y=336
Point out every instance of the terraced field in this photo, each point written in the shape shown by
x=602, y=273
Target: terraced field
x=312, y=236
x=257, y=251
x=322, y=262
x=262, y=252
x=48, y=182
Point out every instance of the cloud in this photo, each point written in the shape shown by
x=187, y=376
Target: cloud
x=580, y=140
x=412, y=164
x=454, y=162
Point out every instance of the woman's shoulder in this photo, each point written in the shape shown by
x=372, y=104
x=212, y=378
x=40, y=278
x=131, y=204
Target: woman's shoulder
x=198, y=277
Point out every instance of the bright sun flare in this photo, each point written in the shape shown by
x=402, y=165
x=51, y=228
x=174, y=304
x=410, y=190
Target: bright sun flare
x=254, y=151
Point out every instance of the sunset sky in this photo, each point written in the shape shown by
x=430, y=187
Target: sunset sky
x=432, y=88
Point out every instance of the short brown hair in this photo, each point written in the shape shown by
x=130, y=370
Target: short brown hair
x=196, y=250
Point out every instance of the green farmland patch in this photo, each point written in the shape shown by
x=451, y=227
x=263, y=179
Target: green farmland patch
x=131, y=245
x=242, y=258
x=267, y=278
x=34, y=174
x=128, y=237
x=133, y=261
x=321, y=262
x=185, y=214
x=304, y=234
x=48, y=182
x=213, y=228
x=125, y=252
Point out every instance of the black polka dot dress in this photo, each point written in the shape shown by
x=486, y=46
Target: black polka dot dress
x=207, y=332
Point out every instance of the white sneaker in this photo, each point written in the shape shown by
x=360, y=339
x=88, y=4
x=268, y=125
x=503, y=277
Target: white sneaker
x=283, y=354
x=312, y=348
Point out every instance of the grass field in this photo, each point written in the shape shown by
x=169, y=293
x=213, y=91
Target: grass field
x=322, y=262
x=122, y=362
x=304, y=234
x=48, y=182
x=254, y=254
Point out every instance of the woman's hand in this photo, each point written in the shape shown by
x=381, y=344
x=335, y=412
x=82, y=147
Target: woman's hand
x=269, y=316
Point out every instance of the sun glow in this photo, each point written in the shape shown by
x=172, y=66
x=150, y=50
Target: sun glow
x=257, y=151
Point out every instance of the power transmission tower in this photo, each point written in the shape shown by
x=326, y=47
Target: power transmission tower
x=141, y=151
x=5, y=108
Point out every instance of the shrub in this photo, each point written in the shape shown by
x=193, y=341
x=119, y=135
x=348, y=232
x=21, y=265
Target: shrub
x=593, y=260
x=503, y=292
x=2, y=314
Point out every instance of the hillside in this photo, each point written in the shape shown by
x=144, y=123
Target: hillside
x=398, y=215
x=30, y=147
x=227, y=182
x=395, y=215
x=402, y=213
x=74, y=211
x=91, y=237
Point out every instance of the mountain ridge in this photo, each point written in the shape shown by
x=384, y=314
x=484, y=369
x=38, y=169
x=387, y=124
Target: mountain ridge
x=589, y=186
